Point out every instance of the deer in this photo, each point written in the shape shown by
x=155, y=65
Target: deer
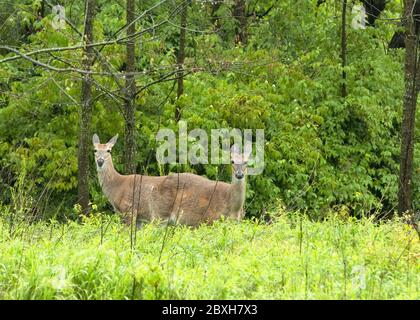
x=201, y=198
x=177, y=198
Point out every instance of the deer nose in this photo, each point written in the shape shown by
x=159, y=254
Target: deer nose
x=100, y=162
x=239, y=175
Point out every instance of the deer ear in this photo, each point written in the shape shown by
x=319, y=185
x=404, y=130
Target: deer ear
x=113, y=140
x=95, y=139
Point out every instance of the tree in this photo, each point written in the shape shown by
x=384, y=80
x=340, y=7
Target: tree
x=240, y=14
x=409, y=111
x=85, y=114
x=130, y=92
x=181, y=58
x=397, y=40
x=343, y=48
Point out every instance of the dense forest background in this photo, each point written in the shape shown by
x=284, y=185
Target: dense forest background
x=332, y=142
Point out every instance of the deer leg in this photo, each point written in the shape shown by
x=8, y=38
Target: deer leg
x=128, y=218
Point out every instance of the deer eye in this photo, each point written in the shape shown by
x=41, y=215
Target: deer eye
x=109, y=151
x=96, y=150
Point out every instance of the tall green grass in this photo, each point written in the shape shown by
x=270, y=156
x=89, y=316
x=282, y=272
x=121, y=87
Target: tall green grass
x=291, y=258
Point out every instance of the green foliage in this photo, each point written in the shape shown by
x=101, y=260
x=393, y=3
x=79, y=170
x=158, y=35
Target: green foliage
x=292, y=258
x=322, y=151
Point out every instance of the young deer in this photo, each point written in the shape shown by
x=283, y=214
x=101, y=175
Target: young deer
x=183, y=198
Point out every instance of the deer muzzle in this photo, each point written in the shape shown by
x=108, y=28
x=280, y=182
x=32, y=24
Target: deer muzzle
x=100, y=162
x=239, y=176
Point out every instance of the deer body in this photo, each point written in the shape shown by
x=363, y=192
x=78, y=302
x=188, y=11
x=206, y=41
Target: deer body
x=183, y=198
x=133, y=194
x=202, y=200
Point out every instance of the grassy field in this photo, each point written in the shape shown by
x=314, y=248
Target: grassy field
x=291, y=258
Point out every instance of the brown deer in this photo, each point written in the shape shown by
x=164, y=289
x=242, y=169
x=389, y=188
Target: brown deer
x=183, y=198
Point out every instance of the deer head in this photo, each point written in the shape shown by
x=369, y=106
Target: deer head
x=239, y=161
x=103, y=152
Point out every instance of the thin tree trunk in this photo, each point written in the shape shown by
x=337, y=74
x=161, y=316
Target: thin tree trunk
x=130, y=93
x=408, y=123
x=41, y=10
x=181, y=59
x=213, y=15
x=344, y=48
x=85, y=112
x=239, y=12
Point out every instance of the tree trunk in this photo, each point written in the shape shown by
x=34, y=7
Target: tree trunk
x=344, y=49
x=181, y=59
x=239, y=13
x=410, y=102
x=130, y=94
x=85, y=112
x=215, y=5
x=41, y=11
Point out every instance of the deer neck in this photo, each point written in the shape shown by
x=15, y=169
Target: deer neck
x=109, y=179
x=237, y=194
